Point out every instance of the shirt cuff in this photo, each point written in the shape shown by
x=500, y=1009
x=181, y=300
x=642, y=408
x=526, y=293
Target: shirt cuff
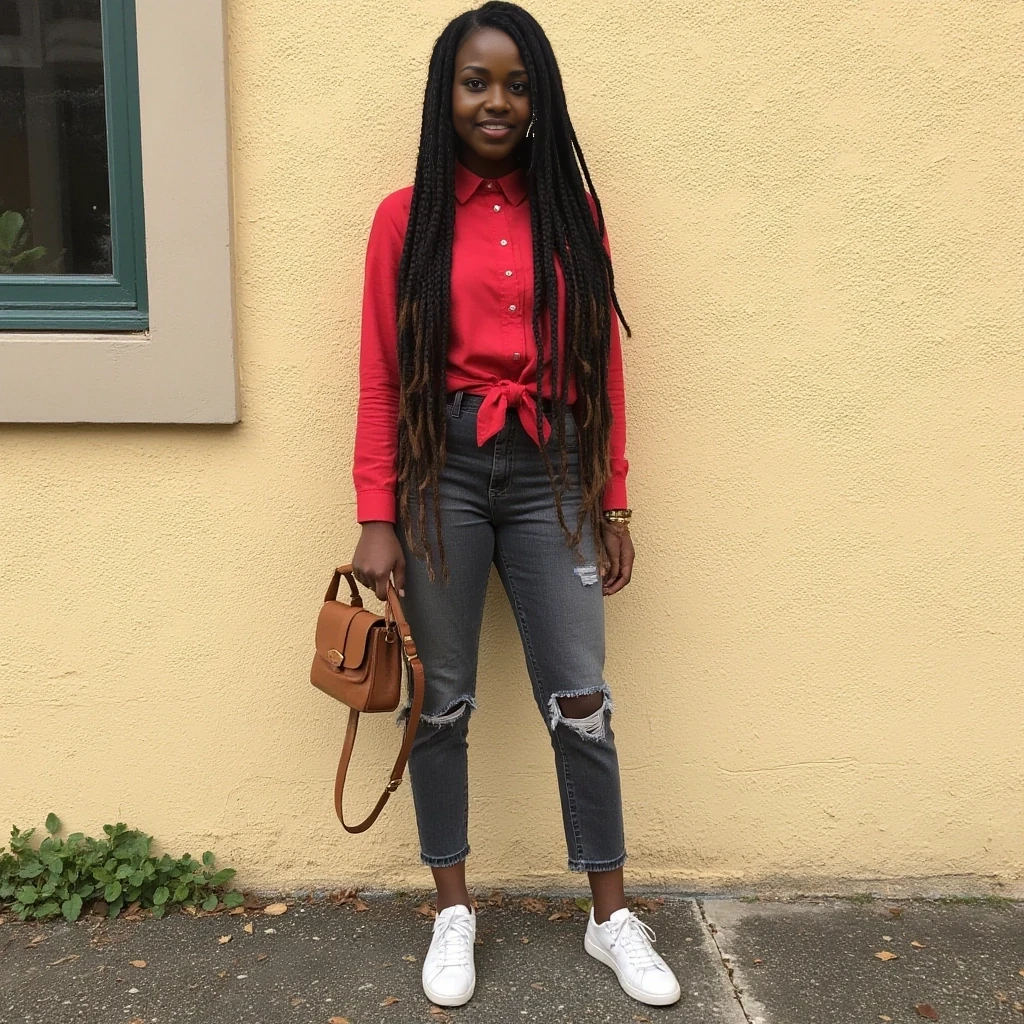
x=615, y=495
x=375, y=506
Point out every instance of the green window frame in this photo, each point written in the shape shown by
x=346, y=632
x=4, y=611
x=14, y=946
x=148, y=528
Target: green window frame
x=102, y=302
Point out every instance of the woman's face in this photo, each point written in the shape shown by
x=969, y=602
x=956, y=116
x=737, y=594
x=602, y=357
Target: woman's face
x=490, y=101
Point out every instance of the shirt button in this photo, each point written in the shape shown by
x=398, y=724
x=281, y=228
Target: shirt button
x=496, y=207
x=512, y=308
x=504, y=241
x=516, y=357
x=508, y=273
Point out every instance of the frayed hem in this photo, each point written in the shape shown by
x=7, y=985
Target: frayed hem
x=594, y=726
x=581, y=866
x=445, y=862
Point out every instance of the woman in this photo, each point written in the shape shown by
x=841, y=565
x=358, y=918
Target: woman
x=479, y=441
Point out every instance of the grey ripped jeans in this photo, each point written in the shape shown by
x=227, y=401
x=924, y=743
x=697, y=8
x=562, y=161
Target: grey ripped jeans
x=497, y=506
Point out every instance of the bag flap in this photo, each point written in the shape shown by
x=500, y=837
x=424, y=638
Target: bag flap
x=342, y=629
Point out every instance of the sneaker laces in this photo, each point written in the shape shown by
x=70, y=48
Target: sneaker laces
x=453, y=938
x=636, y=937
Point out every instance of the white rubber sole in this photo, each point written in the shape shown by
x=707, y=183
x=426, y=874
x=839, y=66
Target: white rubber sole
x=440, y=1000
x=638, y=994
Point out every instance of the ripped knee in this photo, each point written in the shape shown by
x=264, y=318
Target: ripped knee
x=586, y=713
x=581, y=707
x=451, y=714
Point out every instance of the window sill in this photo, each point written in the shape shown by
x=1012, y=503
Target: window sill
x=72, y=320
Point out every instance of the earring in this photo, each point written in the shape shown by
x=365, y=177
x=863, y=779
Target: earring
x=531, y=131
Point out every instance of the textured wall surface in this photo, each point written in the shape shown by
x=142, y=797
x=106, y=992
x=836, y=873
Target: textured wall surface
x=816, y=211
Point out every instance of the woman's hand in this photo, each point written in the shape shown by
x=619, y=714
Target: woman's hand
x=619, y=545
x=378, y=557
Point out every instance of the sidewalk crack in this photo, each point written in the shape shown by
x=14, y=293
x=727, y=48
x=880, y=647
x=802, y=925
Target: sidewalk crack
x=736, y=990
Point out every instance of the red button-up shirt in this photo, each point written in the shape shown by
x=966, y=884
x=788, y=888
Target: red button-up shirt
x=491, y=349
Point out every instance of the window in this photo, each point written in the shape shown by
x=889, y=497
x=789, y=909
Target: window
x=72, y=252
x=100, y=320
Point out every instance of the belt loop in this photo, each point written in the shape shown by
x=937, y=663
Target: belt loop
x=457, y=404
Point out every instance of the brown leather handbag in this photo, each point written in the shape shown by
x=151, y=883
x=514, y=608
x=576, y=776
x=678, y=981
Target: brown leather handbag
x=358, y=661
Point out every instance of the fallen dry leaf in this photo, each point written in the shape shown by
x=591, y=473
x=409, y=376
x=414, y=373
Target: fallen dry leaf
x=261, y=956
x=641, y=1018
x=190, y=910
x=248, y=928
x=390, y=1001
x=895, y=911
x=409, y=958
x=64, y=959
x=426, y=910
x=441, y=1015
x=927, y=1011
x=882, y=1016
x=338, y=1020
x=1002, y=997
x=645, y=904
x=1019, y=1007
x=224, y=939
x=36, y=941
x=524, y=940
x=296, y=1001
x=222, y=974
x=534, y=906
x=918, y=945
x=359, y=906
x=758, y=961
x=236, y=911
x=1021, y=972
x=496, y=898
x=132, y=907
x=560, y=915
x=886, y=955
x=276, y=909
x=137, y=963
x=537, y=985
x=887, y=938
x=136, y=1020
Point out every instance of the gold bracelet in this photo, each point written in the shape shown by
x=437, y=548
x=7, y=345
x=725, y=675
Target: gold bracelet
x=618, y=515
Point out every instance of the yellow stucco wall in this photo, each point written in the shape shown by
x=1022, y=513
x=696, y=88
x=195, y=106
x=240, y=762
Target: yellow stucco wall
x=816, y=212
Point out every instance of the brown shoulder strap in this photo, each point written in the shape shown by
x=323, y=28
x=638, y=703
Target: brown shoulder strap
x=416, y=682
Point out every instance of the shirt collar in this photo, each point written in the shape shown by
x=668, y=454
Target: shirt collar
x=467, y=183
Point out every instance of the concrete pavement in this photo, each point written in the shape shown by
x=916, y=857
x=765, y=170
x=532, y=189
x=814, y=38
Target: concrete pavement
x=739, y=962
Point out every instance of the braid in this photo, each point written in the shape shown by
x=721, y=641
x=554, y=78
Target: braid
x=564, y=229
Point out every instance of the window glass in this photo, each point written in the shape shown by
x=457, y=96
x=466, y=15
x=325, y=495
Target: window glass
x=54, y=182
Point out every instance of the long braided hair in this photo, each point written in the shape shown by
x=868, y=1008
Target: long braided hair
x=563, y=227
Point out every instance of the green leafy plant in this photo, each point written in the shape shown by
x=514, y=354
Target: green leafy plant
x=63, y=874
x=14, y=247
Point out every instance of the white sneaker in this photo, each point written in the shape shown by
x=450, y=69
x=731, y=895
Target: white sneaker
x=449, y=975
x=623, y=942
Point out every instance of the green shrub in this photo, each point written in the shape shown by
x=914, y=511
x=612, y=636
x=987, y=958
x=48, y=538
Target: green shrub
x=62, y=874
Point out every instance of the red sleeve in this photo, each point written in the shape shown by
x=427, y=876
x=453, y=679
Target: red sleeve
x=615, y=494
x=374, y=469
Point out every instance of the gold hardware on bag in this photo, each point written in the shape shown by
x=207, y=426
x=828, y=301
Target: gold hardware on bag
x=335, y=657
x=393, y=785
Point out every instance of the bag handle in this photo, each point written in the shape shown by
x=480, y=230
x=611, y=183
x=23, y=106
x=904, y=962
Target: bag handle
x=418, y=686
